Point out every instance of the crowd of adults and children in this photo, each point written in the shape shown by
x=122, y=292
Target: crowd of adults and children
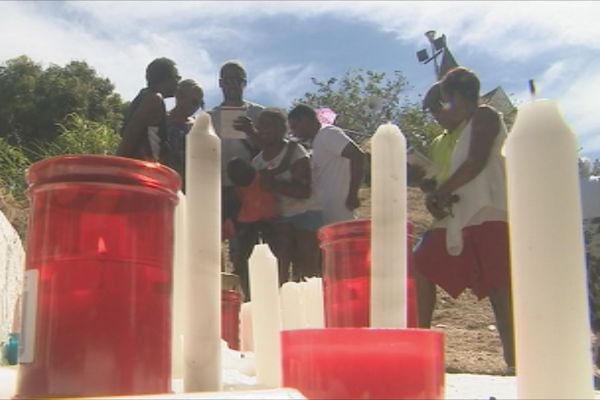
x=285, y=176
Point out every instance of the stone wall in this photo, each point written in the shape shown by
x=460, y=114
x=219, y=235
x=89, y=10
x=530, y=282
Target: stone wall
x=12, y=258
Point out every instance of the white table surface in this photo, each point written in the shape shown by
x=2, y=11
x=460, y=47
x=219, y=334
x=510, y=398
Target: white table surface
x=458, y=386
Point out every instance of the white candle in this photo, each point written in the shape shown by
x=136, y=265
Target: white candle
x=292, y=308
x=266, y=316
x=202, y=335
x=388, y=233
x=552, y=331
x=246, y=341
x=178, y=306
x=312, y=294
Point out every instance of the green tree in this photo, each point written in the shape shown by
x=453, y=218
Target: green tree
x=588, y=167
x=364, y=100
x=34, y=101
x=81, y=136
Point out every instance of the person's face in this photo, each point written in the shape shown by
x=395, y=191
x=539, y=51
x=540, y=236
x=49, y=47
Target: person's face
x=455, y=106
x=170, y=84
x=232, y=82
x=442, y=116
x=190, y=100
x=269, y=130
x=302, y=128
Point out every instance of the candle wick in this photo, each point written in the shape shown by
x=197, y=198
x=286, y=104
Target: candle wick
x=532, y=89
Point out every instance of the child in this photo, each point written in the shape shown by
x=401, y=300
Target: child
x=285, y=171
x=252, y=222
x=256, y=204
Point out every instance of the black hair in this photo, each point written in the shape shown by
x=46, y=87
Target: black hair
x=159, y=70
x=463, y=81
x=433, y=97
x=301, y=111
x=240, y=172
x=276, y=115
x=233, y=64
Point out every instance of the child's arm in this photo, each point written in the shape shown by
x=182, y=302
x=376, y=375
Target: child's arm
x=300, y=185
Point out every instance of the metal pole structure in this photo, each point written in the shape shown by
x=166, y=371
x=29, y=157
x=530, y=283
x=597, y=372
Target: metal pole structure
x=431, y=37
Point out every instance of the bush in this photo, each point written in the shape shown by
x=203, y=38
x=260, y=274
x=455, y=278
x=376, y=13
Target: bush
x=81, y=136
x=13, y=164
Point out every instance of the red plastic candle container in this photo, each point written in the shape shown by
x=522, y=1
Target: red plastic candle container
x=231, y=301
x=364, y=363
x=97, y=299
x=347, y=274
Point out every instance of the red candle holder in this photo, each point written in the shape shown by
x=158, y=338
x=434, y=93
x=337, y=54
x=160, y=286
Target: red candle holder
x=364, y=363
x=231, y=300
x=97, y=299
x=347, y=274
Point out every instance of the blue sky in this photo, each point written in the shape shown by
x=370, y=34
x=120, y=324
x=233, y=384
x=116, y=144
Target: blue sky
x=284, y=44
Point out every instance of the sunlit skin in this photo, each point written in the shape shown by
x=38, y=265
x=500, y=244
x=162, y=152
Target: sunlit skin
x=149, y=113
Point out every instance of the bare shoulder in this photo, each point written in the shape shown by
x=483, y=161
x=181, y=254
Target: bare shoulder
x=487, y=114
x=151, y=102
x=486, y=120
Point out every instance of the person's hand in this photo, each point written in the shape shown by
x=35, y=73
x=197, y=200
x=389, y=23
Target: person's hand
x=352, y=201
x=428, y=185
x=244, y=124
x=433, y=206
x=445, y=199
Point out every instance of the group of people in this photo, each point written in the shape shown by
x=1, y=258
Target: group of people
x=467, y=245
x=283, y=177
x=288, y=175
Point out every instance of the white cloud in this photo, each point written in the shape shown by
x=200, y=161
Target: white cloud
x=120, y=38
x=521, y=30
x=574, y=85
x=283, y=82
x=54, y=41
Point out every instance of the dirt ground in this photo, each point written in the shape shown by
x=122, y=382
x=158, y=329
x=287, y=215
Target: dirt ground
x=472, y=342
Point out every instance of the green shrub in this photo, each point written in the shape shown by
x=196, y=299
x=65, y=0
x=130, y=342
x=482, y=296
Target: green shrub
x=80, y=136
x=13, y=164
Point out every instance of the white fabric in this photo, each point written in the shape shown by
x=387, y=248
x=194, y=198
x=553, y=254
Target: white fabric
x=331, y=173
x=590, y=197
x=286, y=205
x=231, y=148
x=483, y=198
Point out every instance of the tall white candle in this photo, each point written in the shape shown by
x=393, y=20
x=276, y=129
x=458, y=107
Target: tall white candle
x=266, y=316
x=202, y=335
x=293, y=315
x=246, y=340
x=388, y=233
x=178, y=306
x=312, y=295
x=552, y=331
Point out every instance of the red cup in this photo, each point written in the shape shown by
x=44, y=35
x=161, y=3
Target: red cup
x=364, y=363
x=347, y=274
x=231, y=301
x=97, y=298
